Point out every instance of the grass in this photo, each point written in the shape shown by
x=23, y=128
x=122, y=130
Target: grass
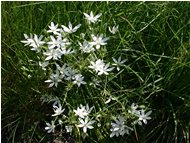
x=153, y=36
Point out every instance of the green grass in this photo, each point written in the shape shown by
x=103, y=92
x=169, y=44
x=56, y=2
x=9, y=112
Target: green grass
x=154, y=37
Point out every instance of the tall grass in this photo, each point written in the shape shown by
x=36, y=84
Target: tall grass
x=153, y=36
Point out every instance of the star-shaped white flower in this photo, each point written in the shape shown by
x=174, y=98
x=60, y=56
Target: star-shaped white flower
x=98, y=41
x=83, y=111
x=78, y=79
x=50, y=127
x=86, y=47
x=119, y=127
x=54, y=79
x=70, y=29
x=91, y=17
x=133, y=109
x=54, y=42
x=54, y=29
x=143, y=117
x=85, y=124
x=100, y=67
x=57, y=109
x=54, y=54
x=34, y=42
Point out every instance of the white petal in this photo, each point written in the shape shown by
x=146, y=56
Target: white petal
x=85, y=129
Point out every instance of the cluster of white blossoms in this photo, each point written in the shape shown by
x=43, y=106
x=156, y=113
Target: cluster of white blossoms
x=57, y=107
x=66, y=55
x=139, y=116
x=82, y=112
x=58, y=45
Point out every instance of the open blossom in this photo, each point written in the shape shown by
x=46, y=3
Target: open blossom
x=98, y=41
x=91, y=17
x=69, y=73
x=57, y=109
x=54, y=29
x=119, y=127
x=83, y=111
x=142, y=117
x=54, y=54
x=86, y=47
x=118, y=62
x=133, y=109
x=85, y=124
x=54, y=79
x=100, y=67
x=33, y=41
x=78, y=79
x=114, y=29
x=29, y=39
x=54, y=42
x=50, y=127
x=70, y=29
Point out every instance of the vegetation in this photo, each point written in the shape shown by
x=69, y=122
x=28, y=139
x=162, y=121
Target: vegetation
x=153, y=37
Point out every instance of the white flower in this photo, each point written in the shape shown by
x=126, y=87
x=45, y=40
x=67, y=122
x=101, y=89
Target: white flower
x=91, y=17
x=114, y=29
x=86, y=47
x=53, y=29
x=105, y=69
x=100, y=67
x=43, y=65
x=29, y=40
x=78, y=79
x=85, y=124
x=69, y=73
x=119, y=127
x=97, y=66
x=57, y=109
x=50, y=127
x=143, y=117
x=54, y=54
x=98, y=41
x=35, y=42
x=54, y=79
x=54, y=42
x=133, y=110
x=70, y=29
x=83, y=111
x=63, y=41
x=118, y=62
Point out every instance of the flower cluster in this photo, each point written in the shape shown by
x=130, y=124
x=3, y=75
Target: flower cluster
x=138, y=116
x=58, y=45
x=82, y=112
x=69, y=56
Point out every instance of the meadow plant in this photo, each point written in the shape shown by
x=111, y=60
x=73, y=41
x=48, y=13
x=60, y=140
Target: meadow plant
x=73, y=59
